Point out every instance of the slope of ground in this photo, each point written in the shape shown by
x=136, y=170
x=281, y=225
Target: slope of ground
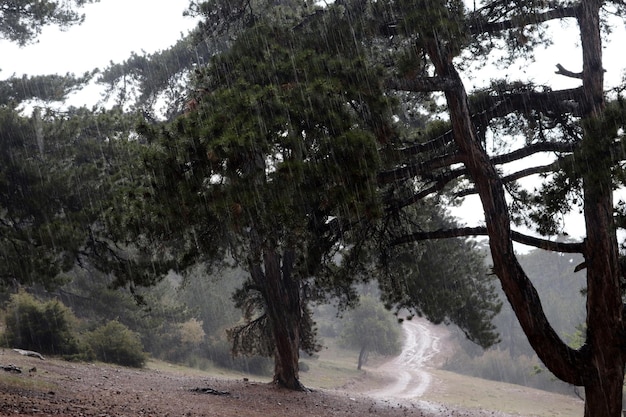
x=61, y=388
x=56, y=387
x=413, y=376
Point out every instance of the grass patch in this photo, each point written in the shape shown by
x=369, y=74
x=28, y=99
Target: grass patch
x=464, y=391
x=333, y=367
x=22, y=381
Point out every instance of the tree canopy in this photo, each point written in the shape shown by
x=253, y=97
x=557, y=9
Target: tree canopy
x=304, y=151
x=22, y=21
x=275, y=164
x=369, y=327
x=580, y=128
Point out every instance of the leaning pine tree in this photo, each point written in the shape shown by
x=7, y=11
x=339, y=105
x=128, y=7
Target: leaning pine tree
x=578, y=130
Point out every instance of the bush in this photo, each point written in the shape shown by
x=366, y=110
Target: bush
x=43, y=327
x=116, y=343
x=220, y=353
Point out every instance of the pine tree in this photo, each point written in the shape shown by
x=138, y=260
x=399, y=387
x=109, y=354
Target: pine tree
x=22, y=21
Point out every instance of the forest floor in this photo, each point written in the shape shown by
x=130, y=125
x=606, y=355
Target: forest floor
x=62, y=388
x=59, y=388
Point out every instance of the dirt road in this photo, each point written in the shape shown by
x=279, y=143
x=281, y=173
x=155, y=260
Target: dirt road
x=410, y=371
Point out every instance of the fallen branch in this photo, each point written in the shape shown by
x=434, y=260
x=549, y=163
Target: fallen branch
x=30, y=353
x=209, y=391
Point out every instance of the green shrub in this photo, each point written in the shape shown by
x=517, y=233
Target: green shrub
x=220, y=353
x=116, y=343
x=43, y=327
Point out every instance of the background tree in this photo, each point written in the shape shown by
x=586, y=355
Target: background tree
x=55, y=173
x=444, y=281
x=513, y=360
x=369, y=327
x=22, y=21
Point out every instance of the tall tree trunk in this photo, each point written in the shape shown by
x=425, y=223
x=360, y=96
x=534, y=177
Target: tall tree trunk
x=604, y=376
x=284, y=310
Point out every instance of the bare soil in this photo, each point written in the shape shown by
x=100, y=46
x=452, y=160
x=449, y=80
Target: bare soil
x=59, y=388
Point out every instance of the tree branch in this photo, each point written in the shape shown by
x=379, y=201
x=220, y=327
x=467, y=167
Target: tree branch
x=480, y=24
x=418, y=168
x=562, y=71
x=533, y=149
x=431, y=145
x=421, y=85
x=558, y=101
x=482, y=231
x=425, y=168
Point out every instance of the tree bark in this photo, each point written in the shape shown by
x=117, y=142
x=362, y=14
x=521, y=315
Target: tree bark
x=284, y=310
x=604, y=376
x=363, y=354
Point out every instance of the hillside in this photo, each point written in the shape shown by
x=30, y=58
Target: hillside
x=56, y=387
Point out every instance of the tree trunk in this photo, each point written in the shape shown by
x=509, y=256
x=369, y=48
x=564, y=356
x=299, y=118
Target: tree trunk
x=604, y=376
x=599, y=364
x=363, y=354
x=604, y=396
x=520, y=292
x=284, y=310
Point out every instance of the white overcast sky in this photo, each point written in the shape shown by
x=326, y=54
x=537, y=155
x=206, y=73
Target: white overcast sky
x=115, y=28
x=111, y=31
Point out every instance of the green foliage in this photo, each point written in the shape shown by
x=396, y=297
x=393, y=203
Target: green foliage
x=56, y=171
x=220, y=353
x=116, y=343
x=445, y=281
x=23, y=21
x=47, y=88
x=371, y=327
x=142, y=80
x=43, y=327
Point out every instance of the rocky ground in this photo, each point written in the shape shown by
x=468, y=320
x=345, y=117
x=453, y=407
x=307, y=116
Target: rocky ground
x=59, y=388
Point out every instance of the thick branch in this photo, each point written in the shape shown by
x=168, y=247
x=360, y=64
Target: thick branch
x=482, y=231
x=563, y=361
x=562, y=71
x=558, y=101
x=481, y=25
x=533, y=149
x=421, y=84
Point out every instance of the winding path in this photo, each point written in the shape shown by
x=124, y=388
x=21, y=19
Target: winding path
x=410, y=370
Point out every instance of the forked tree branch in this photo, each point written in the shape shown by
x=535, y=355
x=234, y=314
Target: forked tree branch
x=562, y=71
